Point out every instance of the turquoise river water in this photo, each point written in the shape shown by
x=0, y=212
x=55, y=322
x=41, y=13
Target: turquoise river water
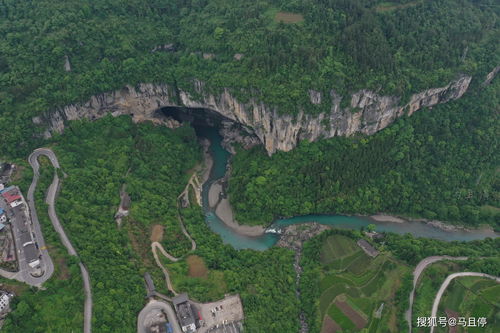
x=230, y=236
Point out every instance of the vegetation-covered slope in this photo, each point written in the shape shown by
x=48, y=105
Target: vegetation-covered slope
x=153, y=161
x=438, y=164
x=336, y=271
x=398, y=47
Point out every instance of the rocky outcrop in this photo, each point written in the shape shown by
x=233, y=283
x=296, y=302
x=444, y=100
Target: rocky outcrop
x=367, y=112
x=491, y=75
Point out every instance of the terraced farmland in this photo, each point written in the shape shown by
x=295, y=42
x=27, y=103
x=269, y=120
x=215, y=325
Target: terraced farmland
x=353, y=286
x=473, y=297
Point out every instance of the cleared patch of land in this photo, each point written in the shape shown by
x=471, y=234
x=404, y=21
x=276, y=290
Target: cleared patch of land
x=196, y=267
x=288, y=18
x=391, y=6
x=157, y=233
x=192, y=271
x=354, y=285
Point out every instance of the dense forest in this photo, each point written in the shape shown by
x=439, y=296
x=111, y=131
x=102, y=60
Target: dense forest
x=56, y=52
x=438, y=164
x=264, y=280
x=98, y=157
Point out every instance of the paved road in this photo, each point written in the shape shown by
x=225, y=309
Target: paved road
x=11, y=275
x=31, y=214
x=422, y=265
x=156, y=306
x=445, y=284
x=51, y=198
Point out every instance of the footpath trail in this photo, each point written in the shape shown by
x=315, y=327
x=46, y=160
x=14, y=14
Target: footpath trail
x=50, y=199
x=445, y=284
x=155, y=246
x=421, y=266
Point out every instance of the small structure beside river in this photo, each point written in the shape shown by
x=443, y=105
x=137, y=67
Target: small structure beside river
x=368, y=248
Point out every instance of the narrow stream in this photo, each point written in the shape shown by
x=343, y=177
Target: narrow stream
x=230, y=236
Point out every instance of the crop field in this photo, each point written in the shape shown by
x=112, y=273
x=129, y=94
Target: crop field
x=354, y=285
x=473, y=297
x=330, y=326
x=337, y=248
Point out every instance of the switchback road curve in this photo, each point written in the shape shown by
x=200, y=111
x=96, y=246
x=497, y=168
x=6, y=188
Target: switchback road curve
x=421, y=266
x=445, y=284
x=51, y=197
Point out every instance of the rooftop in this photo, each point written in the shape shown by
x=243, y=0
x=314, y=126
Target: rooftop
x=30, y=252
x=25, y=238
x=11, y=194
x=368, y=248
x=179, y=299
x=184, y=310
x=185, y=314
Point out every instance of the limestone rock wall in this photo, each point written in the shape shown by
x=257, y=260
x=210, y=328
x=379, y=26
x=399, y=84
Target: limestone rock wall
x=368, y=113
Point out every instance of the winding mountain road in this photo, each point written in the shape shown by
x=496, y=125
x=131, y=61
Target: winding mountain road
x=148, y=313
x=50, y=199
x=48, y=265
x=421, y=266
x=445, y=284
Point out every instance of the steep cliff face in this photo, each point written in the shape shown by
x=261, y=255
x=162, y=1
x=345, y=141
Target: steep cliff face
x=367, y=114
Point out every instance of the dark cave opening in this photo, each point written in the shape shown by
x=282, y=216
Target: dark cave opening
x=201, y=118
x=195, y=116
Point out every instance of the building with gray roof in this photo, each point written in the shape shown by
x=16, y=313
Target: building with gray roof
x=185, y=313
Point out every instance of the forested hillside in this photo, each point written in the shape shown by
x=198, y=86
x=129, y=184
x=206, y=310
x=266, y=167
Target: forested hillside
x=56, y=52
x=98, y=158
x=441, y=163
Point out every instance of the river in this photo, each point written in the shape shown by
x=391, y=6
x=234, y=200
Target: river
x=230, y=236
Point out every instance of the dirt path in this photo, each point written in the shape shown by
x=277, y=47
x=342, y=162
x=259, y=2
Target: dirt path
x=193, y=182
x=154, y=247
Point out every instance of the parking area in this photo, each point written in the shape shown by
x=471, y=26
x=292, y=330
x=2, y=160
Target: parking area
x=234, y=327
x=224, y=316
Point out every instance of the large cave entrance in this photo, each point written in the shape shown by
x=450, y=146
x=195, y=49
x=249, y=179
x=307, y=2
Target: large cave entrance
x=195, y=116
x=201, y=119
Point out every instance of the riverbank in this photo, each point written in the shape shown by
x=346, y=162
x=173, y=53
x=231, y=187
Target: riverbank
x=217, y=200
x=295, y=235
x=387, y=218
x=434, y=223
x=221, y=218
x=225, y=213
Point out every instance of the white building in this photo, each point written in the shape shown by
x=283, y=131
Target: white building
x=4, y=301
x=16, y=203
